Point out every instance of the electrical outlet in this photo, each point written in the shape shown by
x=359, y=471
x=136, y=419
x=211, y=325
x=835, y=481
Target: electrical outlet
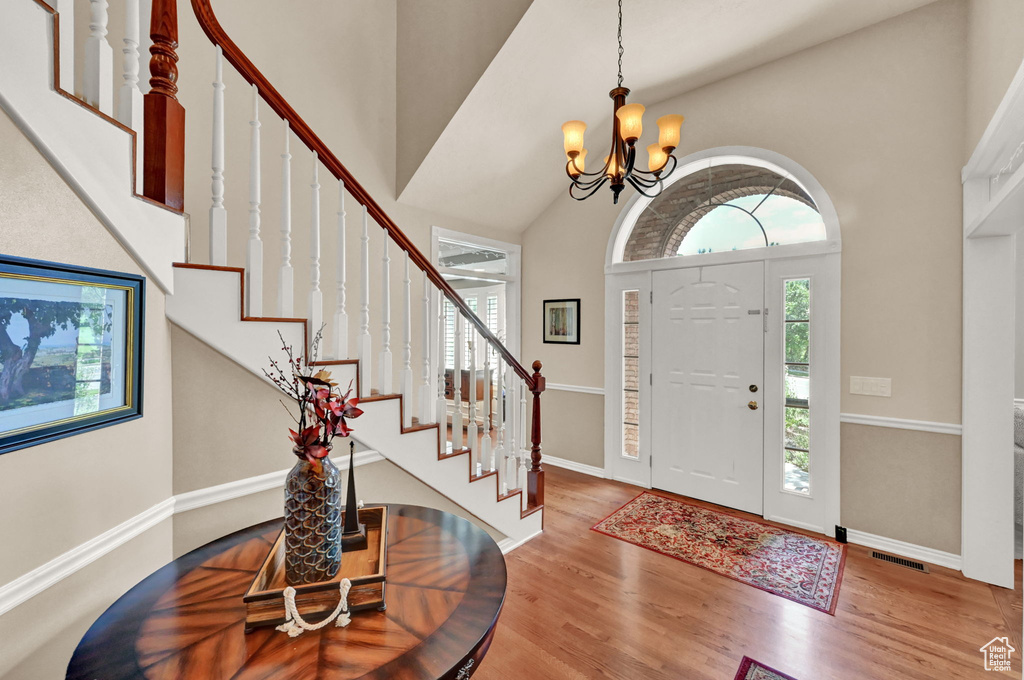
x=872, y=387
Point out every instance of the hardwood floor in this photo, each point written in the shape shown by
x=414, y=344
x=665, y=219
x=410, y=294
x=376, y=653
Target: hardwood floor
x=584, y=605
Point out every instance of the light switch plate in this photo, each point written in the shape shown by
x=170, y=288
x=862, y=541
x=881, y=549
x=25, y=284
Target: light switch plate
x=872, y=387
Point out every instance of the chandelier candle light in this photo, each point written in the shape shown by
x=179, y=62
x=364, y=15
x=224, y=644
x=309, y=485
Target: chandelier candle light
x=620, y=163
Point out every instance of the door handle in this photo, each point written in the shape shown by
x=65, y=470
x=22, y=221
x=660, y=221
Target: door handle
x=752, y=406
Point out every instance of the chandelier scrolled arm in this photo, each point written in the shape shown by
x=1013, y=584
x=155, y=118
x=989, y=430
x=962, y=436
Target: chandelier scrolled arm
x=620, y=163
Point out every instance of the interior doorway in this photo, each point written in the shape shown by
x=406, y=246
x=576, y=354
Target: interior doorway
x=708, y=380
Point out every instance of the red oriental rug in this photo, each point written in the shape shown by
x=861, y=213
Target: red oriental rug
x=755, y=670
x=795, y=566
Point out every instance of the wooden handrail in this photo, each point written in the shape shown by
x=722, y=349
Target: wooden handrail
x=208, y=21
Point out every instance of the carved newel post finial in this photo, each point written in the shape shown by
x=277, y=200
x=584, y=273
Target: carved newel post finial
x=353, y=536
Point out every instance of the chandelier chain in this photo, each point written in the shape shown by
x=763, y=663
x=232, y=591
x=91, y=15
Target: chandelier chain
x=620, y=43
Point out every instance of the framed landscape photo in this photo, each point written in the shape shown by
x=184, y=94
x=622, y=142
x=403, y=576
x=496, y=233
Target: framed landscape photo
x=70, y=350
x=562, y=321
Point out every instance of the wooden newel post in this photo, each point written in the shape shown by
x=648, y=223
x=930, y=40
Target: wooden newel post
x=164, y=140
x=535, y=476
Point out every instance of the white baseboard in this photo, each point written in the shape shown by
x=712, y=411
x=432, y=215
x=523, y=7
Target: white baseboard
x=1019, y=403
x=509, y=544
x=914, y=552
x=573, y=465
x=199, y=498
x=902, y=423
x=59, y=568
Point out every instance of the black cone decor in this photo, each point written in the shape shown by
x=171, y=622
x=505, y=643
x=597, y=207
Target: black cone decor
x=353, y=536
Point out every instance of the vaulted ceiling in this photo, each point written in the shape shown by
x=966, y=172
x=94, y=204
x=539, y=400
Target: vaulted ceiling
x=492, y=154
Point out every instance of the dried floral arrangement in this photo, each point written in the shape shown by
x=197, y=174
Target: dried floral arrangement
x=323, y=409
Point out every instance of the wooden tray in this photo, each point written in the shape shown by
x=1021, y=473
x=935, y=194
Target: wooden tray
x=264, y=601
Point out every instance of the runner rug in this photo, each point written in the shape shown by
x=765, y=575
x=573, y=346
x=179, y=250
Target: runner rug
x=755, y=670
x=792, y=565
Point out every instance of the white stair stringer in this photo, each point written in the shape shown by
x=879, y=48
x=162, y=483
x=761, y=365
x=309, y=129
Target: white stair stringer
x=416, y=452
x=207, y=304
x=90, y=153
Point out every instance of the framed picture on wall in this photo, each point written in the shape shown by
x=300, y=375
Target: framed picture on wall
x=70, y=350
x=562, y=322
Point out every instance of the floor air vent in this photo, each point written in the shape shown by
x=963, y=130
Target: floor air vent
x=903, y=562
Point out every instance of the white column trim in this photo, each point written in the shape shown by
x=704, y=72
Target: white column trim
x=902, y=423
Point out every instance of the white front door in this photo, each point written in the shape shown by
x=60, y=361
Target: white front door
x=708, y=357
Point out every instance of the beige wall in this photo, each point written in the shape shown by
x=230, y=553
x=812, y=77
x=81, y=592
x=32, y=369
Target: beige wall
x=444, y=46
x=886, y=143
x=995, y=48
x=902, y=484
x=40, y=635
x=581, y=444
x=58, y=495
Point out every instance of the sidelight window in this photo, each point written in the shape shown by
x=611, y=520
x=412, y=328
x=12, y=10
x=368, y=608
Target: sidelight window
x=797, y=382
x=631, y=373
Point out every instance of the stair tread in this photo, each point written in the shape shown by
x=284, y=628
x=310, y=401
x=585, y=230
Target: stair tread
x=531, y=509
x=483, y=475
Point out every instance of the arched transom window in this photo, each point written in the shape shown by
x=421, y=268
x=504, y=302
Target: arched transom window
x=725, y=207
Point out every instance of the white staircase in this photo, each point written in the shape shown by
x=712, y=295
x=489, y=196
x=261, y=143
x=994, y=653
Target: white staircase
x=484, y=471
x=207, y=303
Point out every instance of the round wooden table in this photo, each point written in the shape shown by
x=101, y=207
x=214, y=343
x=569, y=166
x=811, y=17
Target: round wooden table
x=445, y=587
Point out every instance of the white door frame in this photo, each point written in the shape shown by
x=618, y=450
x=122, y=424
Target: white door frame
x=993, y=200
x=820, y=259
x=513, y=317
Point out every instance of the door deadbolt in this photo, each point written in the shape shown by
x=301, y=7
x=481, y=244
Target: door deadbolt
x=753, y=388
x=752, y=406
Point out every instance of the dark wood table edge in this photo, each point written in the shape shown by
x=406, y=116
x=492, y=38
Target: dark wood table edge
x=123, y=619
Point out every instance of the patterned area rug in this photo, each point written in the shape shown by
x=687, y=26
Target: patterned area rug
x=754, y=670
x=798, y=567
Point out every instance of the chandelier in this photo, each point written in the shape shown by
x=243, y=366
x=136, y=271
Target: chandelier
x=620, y=164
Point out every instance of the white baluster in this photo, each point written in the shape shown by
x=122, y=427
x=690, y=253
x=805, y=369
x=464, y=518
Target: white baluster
x=316, y=296
x=525, y=497
x=486, y=449
x=365, y=345
x=98, y=77
x=66, y=10
x=130, y=102
x=254, y=249
x=425, y=392
x=286, y=277
x=472, y=430
x=406, y=378
x=499, y=451
x=340, y=315
x=511, y=460
x=386, y=376
x=218, y=213
x=522, y=442
x=459, y=354
x=442, y=401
